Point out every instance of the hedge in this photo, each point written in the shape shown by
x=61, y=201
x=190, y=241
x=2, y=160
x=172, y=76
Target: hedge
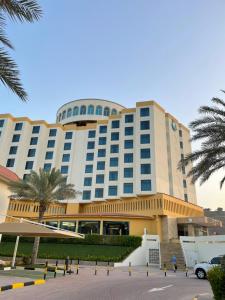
x=216, y=277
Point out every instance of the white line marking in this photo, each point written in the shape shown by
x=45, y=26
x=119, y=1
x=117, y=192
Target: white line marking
x=160, y=289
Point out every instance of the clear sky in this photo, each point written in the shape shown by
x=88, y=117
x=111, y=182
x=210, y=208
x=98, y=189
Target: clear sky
x=126, y=51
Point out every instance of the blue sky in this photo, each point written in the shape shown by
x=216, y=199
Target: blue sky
x=125, y=51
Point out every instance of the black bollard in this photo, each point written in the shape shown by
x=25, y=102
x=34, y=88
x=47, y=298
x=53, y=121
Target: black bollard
x=129, y=269
x=186, y=270
x=108, y=269
x=78, y=261
x=147, y=269
x=64, y=270
x=46, y=269
x=56, y=267
x=96, y=263
x=165, y=269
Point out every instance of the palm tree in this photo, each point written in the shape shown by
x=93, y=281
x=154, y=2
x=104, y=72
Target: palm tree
x=44, y=188
x=16, y=10
x=210, y=130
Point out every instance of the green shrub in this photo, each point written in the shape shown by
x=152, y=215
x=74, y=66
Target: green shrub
x=216, y=278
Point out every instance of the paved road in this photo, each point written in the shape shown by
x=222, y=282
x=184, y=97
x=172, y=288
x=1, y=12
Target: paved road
x=118, y=285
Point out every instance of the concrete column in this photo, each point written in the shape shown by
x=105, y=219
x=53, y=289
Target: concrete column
x=191, y=230
x=101, y=227
x=159, y=227
x=77, y=224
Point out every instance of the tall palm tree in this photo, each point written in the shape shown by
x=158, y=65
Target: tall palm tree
x=44, y=188
x=16, y=10
x=210, y=130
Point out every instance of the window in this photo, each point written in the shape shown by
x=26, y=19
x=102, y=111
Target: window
x=98, y=193
x=34, y=141
x=182, y=156
x=31, y=152
x=25, y=176
x=115, y=124
x=90, y=156
x=128, y=188
x=114, y=162
x=63, y=115
x=86, y=195
x=114, y=111
x=144, y=112
x=100, y=178
x=88, y=168
x=115, y=136
x=129, y=131
x=18, y=126
x=29, y=165
x=75, y=111
x=91, y=134
x=146, y=185
x=184, y=183
x=59, y=117
x=128, y=172
x=114, y=149
x=100, y=165
x=183, y=170
x=102, y=129
x=51, y=144
x=68, y=135
x=186, y=197
x=64, y=169
x=49, y=155
x=180, y=133
x=52, y=132
x=106, y=111
x=145, y=125
x=91, y=109
x=145, y=138
x=87, y=181
x=69, y=113
x=47, y=167
x=112, y=190
x=83, y=110
x=2, y=123
x=66, y=157
x=67, y=146
x=145, y=169
x=91, y=145
x=10, y=163
x=128, y=157
x=216, y=260
x=129, y=118
x=181, y=145
x=98, y=110
x=145, y=153
x=102, y=141
x=13, y=150
x=128, y=144
x=36, y=129
x=101, y=153
x=16, y=138
x=113, y=175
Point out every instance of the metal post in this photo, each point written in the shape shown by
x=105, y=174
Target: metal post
x=147, y=269
x=165, y=269
x=78, y=261
x=96, y=263
x=46, y=270
x=64, y=271
x=129, y=269
x=186, y=270
x=108, y=269
x=56, y=267
x=16, y=247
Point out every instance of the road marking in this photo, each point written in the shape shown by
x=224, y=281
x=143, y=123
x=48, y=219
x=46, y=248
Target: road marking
x=160, y=289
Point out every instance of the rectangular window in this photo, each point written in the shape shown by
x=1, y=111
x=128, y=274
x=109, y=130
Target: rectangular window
x=145, y=153
x=102, y=129
x=87, y=181
x=36, y=129
x=116, y=124
x=128, y=172
x=183, y=170
x=146, y=185
x=114, y=162
x=49, y=155
x=128, y=144
x=100, y=165
x=16, y=138
x=115, y=136
x=88, y=168
x=13, y=150
x=114, y=149
x=128, y=188
x=10, y=163
x=86, y=195
x=113, y=175
x=128, y=157
x=47, y=167
x=101, y=153
x=100, y=178
x=99, y=193
x=129, y=118
x=51, y=144
x=181, y=145
x=29, y=165
x=90, y=156
x=182, y=156
x=18, y=126
x=184, y=183
x=186, y=197
x=145, y=138
x=180, y=133
x=129, y=130
x=102, y=141
x=52, y=132
x=144, y=112
x=64, y=169
x=34, y=141
x=145, y=169
x=67, y=146
x=66, y=157
x=112, y=190
x=2, y=123
x=69, y=135
x=90, y=145
x=145, y=125
x=31, y=152
x=91, y=133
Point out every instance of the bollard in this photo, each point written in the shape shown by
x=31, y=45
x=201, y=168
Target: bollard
x=147, y=269
x=64, y=270
x=56, y=267
x=129, y=269
x=165, y=269
x=186, y=270
x=78, y=261
x=108, y=269
x=45, y=269
x=174, y=268
x=96, y=263
x=70, y=267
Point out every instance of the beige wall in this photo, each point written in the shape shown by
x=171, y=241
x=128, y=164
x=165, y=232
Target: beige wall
x=4, y=200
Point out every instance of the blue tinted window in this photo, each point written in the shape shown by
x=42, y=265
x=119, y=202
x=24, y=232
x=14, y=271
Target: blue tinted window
x=98, y=193
x=102, y=141
x=103, y=129
x=129, y=130
x=101, y=153
x=66, y=157
x=69, y=113
x=36, y=129
x=13, y=150
x=29, y=165
x=47, y=167
x=128, y=172
x=114, y=149
x=128, y=144
x=91, y=133
x=129, y=118
x=75, y=110
x=145, y=153
x=87, y=181
x=18, y=126
x=128, y=157
x=34, y=141
x=100, y=178
x=67, y=146
x=83, y=110
x=98, y=110
x=145, y=138
x=114, y=161
x=145, y=169
x=91, y=145
x=51, y=144
x=106, y=111
x=146, y=185
x=100, y=165
x=144, y=112
x=112, y=190
x=64, y=169
x=10, y=163
x=113, y=175
x=88, y=168
x=115, y=136
x=90, y=156
x=145, y=125
x=115, y=124
x=52, y=132
x=128, y=188
x=2, y=123
x=16, y=138
x=86, y=195
x=49, y=155
x=91, y=109
x=68, y=135
x=31, y=152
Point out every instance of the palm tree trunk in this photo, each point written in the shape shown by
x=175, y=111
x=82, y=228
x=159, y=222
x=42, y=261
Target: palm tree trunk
x=37, y=239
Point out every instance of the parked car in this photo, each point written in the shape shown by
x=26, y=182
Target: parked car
x=201, y=269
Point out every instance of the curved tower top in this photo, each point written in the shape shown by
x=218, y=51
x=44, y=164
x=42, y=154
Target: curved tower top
x=85, y=111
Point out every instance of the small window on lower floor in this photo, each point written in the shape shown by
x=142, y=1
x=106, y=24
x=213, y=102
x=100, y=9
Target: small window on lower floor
x=29, y=165
x=186, y=197
x=64, y=169
x=86, y=195
x=146, y=185
x=47, y=167
x=98, y=193
x=10, y=163
x=128, y=188
x=112, y=190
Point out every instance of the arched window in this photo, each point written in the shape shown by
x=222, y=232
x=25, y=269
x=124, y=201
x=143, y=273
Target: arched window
x=106, y=111
x=114, y=111
x=83, y=110
x=63, y=115
x=98, y=110
x=69, y=112
x=75, y=110
x=59, y=117
x=91, y=109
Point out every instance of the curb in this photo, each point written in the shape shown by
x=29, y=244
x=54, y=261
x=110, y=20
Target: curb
x=18, y=285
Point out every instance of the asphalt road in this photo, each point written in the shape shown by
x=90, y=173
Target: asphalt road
x=118, y=285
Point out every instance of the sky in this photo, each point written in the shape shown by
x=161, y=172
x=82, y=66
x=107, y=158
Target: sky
x=126, y=51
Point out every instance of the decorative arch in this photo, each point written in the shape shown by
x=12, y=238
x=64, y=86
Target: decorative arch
x=59, y=117
x=83, y=110
x=99, y=110
x=69, y=112
x=114, y=111
x=63, y=115
x=91, y=109
x=75, y=110
x=106, y=111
